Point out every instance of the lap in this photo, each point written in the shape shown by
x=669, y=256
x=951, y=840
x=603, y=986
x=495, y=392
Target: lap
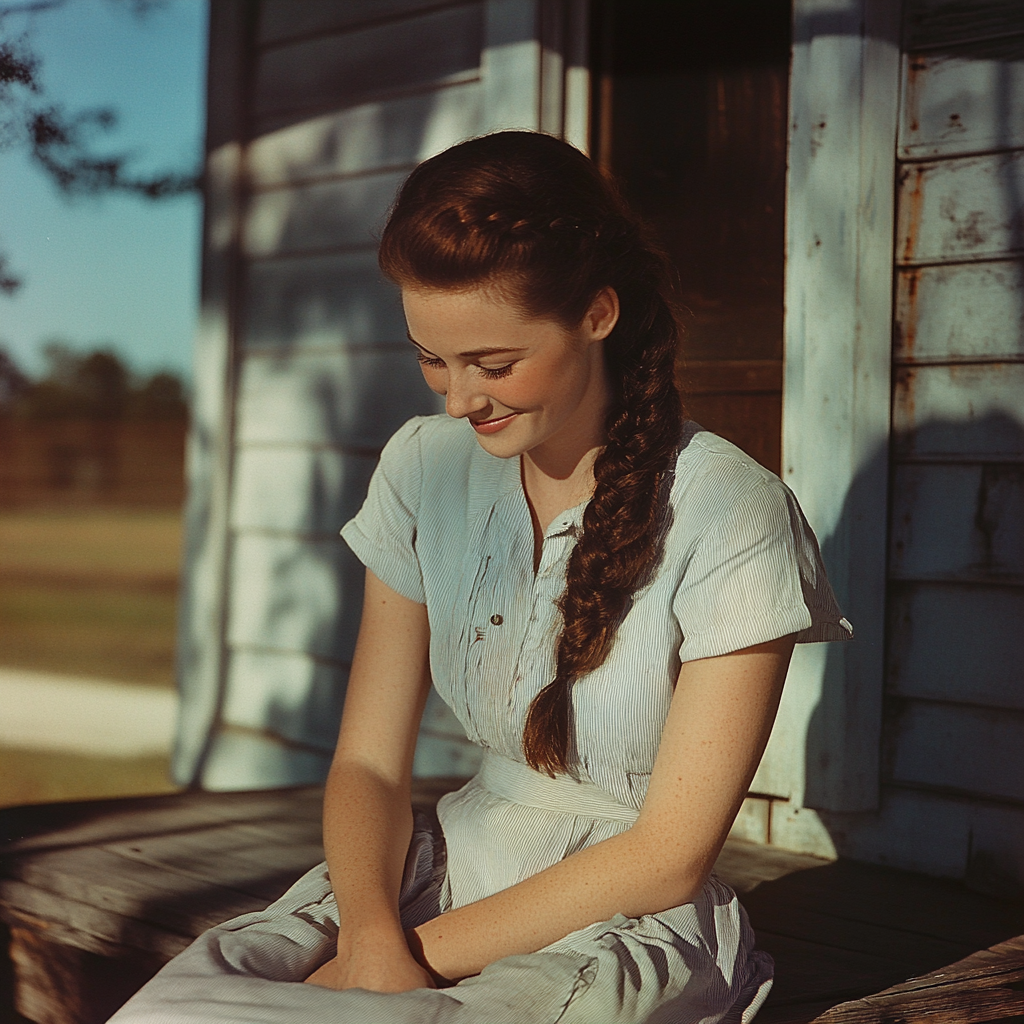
x=693, y=963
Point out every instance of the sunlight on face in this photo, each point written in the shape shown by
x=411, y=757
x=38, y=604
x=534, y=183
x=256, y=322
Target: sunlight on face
x=523, y=383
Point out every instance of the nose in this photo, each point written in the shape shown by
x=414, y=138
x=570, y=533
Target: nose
x=462, y=396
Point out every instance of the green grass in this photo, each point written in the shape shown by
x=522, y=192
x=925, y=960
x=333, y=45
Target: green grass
x=91, y=593
x=87, y=593
x=33, y=777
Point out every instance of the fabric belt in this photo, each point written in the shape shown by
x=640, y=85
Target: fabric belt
x=520, y=784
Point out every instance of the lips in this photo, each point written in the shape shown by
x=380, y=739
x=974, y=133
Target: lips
x=493, y=426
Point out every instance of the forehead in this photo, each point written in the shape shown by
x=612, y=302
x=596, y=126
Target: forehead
x=449, y=320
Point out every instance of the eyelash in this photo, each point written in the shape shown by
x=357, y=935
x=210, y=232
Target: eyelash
x=490, y=374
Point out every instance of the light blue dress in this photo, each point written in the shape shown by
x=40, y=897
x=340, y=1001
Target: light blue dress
x=447, y=524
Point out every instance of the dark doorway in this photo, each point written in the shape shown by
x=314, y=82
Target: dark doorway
x=691, y=114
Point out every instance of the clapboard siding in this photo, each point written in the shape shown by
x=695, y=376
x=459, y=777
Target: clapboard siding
x=948, y=106
x=321, y=302
x=281, y=20
x=941, y=834
x=960, y=312
x=982, y=665
x=342, y=70
x=353, y=398
x=387, y=133
x=954, y=708
x=957, y=522
x=294, y=488
x=928, y=24
x=958, y=747
x=959, y=411
x=296, y=696
x=961, y=209
x=326, y=215
x=293, y=594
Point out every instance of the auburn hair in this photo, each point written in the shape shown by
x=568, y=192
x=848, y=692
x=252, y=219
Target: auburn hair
x=533, y=216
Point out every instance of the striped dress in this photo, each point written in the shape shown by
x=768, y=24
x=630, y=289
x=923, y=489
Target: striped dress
x=447, y=525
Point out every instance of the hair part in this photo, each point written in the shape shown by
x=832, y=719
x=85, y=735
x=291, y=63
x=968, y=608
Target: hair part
x=532, y=216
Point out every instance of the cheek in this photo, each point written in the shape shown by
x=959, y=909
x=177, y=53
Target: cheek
x=436, y=379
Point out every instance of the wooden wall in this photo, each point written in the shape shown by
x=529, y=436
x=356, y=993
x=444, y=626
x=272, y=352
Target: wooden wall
x=318, y=111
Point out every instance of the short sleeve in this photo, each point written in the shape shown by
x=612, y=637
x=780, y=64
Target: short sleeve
x=383, y=533
x=755, y=576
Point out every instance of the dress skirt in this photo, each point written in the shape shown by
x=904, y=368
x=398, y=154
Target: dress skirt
x=694, y=964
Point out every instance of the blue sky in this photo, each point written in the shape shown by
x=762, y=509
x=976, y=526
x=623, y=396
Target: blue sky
x=115, y=271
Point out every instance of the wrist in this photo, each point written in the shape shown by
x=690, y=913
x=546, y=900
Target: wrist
x=415, y=946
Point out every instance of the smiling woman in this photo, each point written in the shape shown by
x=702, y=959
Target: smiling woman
x=605, y=594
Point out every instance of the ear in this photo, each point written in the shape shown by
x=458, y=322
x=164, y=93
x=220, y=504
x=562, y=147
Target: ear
x=602, y=316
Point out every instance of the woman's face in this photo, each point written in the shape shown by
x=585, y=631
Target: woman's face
x=524, y=384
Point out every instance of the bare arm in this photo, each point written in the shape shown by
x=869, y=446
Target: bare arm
x=717, y=728
x=367, y=801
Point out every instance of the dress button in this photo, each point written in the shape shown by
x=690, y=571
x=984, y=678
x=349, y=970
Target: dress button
x=496, y=620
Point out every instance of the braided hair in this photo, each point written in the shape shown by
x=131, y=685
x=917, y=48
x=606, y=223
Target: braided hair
x=535, y=217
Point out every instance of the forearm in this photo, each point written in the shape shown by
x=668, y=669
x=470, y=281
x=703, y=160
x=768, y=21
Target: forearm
x=367, y=828
x=627, y=874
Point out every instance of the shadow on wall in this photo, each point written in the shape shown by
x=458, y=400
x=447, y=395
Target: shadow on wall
x=953, y=714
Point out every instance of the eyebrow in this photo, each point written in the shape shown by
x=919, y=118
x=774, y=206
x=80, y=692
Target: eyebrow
x=492, y=350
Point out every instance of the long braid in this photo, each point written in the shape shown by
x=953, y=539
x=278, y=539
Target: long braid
x=533, y=216
x=621, y=530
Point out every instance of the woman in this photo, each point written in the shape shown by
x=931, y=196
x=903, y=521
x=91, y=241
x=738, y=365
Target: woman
x=607, y=597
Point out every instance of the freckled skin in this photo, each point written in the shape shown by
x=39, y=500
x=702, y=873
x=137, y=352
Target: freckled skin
x=550, y=377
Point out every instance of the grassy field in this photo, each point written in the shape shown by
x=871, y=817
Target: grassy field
x=90, y=593
x=87, y=593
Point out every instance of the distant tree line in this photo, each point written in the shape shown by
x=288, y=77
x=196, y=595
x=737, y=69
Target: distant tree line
x=94, y=385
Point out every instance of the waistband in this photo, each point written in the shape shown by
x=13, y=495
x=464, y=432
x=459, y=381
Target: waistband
x=520, y=784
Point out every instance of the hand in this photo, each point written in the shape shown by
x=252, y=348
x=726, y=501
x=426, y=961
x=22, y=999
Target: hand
x=392, y=971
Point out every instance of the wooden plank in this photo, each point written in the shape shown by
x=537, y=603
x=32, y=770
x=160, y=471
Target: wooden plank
x=76, y=823
x=396, y=132
x=960, y=312
x=979, y=988
x=298, y=489
x=982, y=667
x=959, y=411
x=965, y=749
x=745, y=865
x=82, y=924
x=742, y=376
x=292, y=594
x=95, y=878
x=321, y=302
x=957, y=522
x=297, y=696
x=353, y=399
x=341, y=70
x=970, y=100
x=910, y=903
x=285, y=19
x=815, y=972
x=960, y=209
x=951, y=23
x=844, y=88
x=325, y=215
x=60, y=982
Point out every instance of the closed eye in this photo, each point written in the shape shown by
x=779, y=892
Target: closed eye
x=432, y=361
x=497, y=372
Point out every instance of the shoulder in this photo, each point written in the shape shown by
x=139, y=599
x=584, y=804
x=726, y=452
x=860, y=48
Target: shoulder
x=713, y=479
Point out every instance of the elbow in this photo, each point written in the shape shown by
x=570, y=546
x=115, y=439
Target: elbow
x=664, y=874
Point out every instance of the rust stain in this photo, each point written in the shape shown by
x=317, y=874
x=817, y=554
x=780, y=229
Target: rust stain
x=906, y=325
x=914, y=67
x=914, y=198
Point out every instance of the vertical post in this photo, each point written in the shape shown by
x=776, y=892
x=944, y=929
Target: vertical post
x=202, y=616
x=844, y=96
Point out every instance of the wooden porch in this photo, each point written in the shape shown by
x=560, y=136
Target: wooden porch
x=96, y=895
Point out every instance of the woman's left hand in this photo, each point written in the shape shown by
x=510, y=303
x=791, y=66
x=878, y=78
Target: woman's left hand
x=400, y=974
